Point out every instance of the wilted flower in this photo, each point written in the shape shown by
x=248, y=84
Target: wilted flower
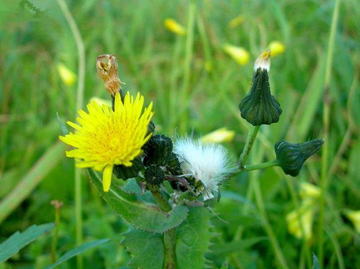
x=208, y=164
x=107, y=69
x=259, y=106
x=239, y=54
x=354, y=217
x=235, y=22
x=104, y=137
x=66, y=75
x=218, y=136
x=276, y=48
x=300, y=221
x=174, y=26
x=291, y=157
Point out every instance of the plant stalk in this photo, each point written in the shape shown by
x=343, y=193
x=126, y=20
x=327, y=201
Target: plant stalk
x=79, y=103
x=169, y=236
x=248, y=145
x=260, y=165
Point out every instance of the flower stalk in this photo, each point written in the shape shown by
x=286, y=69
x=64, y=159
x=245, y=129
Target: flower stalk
x=248, y=145
x=263, y=165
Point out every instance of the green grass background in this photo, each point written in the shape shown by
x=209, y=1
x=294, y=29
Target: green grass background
x=170, y=71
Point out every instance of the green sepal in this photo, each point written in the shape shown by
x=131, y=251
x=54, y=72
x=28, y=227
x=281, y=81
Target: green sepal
x=154, y=175
x=193, y=239
x=259, y=106
x=124, y=172
x=146, y=249
x=291, y=157
x=143, y=216
x=157, y=150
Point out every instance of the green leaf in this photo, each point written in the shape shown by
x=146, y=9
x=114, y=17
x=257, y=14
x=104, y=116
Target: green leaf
x=18, y=240
x=142, y=216
x=235, y=246
x=316, y=264
x=147, y=249
x=193, y=239
x=78, y=250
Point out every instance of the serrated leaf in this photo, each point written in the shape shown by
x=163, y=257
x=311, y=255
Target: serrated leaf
x=18, y=240
x=147, y=249
x=142, y=215
x=76, y=251
x=193, y=239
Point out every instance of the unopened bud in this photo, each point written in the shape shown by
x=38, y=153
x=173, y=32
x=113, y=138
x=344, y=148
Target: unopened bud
x=291, y=157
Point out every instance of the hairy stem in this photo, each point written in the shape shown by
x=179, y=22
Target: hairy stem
x=169, y=236
x=260, y=165
x=248, y=145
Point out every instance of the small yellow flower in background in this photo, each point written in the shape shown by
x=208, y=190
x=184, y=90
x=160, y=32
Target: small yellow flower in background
x=239, y=54
x=66, y=75
x=300, y=221
x=354, y=217
x=235, y=22
x=104, y=138
x=208, y=66
x=218, y=136
x=174, y=26
x=276, y=48
x=100, y=101
x=309, y=191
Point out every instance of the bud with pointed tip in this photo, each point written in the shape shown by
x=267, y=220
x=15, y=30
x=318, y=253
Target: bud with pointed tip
x=259, y=106
x=291, y=157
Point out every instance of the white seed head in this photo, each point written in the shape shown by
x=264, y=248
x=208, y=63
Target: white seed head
x=263, y=61
x=208, y=163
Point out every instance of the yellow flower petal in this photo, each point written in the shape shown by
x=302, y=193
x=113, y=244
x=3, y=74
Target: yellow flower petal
x=66, y=75
x=354, y=217
x=309, y=191
x=219, y=136
x=174, y=26
x=300, y=221
x=276, y=48
x=239, y=54
x=235, y=22
x=107, y=175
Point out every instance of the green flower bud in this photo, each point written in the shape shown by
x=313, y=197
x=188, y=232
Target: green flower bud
x=154, y=175
x=158, y=150
x=124, y=172
x=291, y=157
x=259, y=106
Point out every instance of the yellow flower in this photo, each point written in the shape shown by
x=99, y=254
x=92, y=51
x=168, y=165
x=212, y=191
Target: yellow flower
x=235, y=22
x=300, y=221
x=174, y=26
x=309, y=191
x=239, y=54
x=218, y=136
x=67, y=76
x=104, y=138
x=276, y=48
x=354, y=216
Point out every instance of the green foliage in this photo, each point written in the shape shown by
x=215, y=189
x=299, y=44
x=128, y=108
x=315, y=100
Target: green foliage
x=193, y=239
x=147, y=249
x=77, y=251
x=142, y=216
x=18, y=240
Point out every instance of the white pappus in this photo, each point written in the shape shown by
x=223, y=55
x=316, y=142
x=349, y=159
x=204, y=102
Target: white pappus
x=208, y=163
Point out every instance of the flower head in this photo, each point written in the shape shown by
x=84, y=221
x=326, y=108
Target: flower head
x=219, y=136
x=104, y=138
x=66, y=75
x=276, y=48
x=235, y=22
x=207, y=163
x=174, y=26
x=300, y=221
x=354, y=217
x=239, y=54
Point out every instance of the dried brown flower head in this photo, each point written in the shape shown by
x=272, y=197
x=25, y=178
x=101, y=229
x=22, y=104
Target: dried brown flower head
x=107, y=69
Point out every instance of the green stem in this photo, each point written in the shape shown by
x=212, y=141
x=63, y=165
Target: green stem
x=260, y=165
x=326, y=125
x=56, y=234
x=248, y=145
x=79, y=103
x=187, y=64
x=169, y=236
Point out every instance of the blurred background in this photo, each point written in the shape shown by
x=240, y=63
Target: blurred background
x=194, y=60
